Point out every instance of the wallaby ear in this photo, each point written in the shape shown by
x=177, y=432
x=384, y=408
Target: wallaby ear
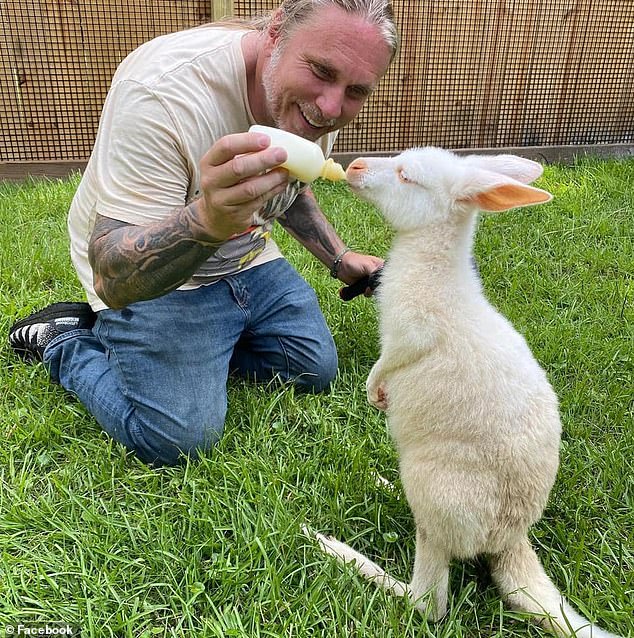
x=519, y=168
x=508, y=194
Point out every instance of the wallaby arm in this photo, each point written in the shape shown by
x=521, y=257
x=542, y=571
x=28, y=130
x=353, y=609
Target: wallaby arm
x=392, y=359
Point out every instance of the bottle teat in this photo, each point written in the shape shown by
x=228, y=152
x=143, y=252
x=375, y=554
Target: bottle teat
x=332, y=170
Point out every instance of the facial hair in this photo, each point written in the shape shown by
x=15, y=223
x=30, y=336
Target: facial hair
x=272, y=94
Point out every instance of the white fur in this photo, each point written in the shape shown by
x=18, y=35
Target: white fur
x=472, y=414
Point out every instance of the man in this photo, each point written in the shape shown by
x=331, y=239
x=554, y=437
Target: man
x=170, y=226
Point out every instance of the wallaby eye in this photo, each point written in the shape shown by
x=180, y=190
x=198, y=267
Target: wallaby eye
x=402, y=176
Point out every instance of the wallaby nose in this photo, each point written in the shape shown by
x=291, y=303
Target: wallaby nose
x=356, y=168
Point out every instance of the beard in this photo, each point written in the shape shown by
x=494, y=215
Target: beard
x=271, y=89
x=275, y=100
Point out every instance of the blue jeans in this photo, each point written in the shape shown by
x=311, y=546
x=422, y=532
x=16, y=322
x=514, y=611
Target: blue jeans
x=154, y=374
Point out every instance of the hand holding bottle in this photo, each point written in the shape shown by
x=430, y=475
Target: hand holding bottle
x=238, y=175
x=305, y=160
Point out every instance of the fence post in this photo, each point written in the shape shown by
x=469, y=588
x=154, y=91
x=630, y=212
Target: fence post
x=221, y=9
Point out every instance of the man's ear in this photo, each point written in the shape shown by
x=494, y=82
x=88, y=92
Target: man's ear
x=275, y=25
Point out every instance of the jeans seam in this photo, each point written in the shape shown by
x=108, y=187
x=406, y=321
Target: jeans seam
x=111, y=353
x=286, y=357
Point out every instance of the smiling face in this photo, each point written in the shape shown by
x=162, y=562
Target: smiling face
x=318, y=78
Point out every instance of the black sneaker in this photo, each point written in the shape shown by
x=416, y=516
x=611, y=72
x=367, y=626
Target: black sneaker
x=30, y=336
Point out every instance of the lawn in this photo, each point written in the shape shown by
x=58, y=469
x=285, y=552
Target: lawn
x=91, y=537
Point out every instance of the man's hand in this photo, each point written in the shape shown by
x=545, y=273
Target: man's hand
x=131, y=263
x=237, y=177
x=364, y=286
x=355, y=266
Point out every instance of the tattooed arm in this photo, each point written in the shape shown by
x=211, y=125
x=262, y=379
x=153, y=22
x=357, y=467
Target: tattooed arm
x=306, y=222
x=134, y=263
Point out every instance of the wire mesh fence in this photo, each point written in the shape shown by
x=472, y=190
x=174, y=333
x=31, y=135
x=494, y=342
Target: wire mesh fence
x=56, y=62
x=469, y=74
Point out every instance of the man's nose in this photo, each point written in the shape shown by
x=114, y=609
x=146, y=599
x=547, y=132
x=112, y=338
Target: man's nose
x=330, y=102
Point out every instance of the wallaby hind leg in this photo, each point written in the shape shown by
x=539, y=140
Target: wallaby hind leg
x=523, y=582
x=430, y=577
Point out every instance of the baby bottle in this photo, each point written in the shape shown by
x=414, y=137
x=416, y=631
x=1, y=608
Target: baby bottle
x=305, y=159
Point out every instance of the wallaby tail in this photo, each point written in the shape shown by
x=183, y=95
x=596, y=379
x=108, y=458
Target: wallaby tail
x=370, y=570
x=523, y=582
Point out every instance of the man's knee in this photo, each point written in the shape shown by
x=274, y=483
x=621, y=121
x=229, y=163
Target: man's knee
x=320, y=373
x=171, y=443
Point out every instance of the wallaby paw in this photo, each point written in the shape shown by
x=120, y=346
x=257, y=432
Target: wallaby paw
x=378, y=397
x=428, y=609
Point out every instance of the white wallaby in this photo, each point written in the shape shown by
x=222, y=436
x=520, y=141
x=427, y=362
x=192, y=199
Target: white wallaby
x=473, y=416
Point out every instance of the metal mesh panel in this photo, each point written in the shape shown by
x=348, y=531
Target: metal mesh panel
x=57, y=58
x=491, y=73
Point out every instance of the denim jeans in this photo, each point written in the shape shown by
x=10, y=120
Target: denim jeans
x=154, y=374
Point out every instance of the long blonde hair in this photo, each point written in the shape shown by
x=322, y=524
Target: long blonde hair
x=293, y=13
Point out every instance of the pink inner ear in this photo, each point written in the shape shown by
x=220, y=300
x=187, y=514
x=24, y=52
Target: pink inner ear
x=508, y=196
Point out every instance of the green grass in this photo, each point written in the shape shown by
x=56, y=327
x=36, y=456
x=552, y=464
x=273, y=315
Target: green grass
x=92, y=537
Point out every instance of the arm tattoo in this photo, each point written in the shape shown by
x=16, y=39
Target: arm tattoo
x=305, y=221
x=133, y=263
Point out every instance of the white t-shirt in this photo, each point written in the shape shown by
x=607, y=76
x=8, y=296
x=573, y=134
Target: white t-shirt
x=170, y=101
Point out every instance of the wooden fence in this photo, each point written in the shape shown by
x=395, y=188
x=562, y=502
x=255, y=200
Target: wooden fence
x=539, y=75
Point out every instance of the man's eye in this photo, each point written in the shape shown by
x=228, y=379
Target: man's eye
x=358, y=92
x=321, y=72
